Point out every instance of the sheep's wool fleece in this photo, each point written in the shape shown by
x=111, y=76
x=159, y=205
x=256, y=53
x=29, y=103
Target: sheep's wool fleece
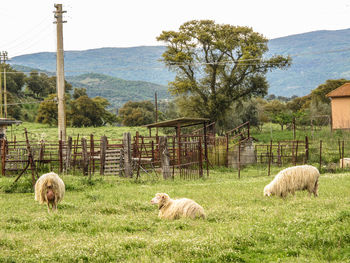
x=58, y=187
x=289, y=180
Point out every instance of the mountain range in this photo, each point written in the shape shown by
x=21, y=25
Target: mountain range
x=317, y=56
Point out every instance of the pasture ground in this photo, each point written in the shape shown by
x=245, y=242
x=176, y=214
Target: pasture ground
x=111, y=220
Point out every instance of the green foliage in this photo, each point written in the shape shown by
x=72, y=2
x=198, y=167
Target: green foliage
x=137, y=113
x=89, y=112
x=14, y=80
x=118, y=91
x=48, y=111
x=13, y=109
x=319, y=94
x=41, y=85
x=78, y=92
x=217, y=64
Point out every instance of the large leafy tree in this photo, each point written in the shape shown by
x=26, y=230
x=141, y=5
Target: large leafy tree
x=47, y=112
x=41, y=85
x=136, y=113
x=217, y=64
x=14, y=80
x=319, y=94
x=85, y=111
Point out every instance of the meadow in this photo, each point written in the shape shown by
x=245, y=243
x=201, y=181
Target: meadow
x=110, y=219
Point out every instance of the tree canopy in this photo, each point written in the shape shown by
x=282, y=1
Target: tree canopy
x=137, y=113
x=217, y=64
x=319, y=94
x=41, y=85
x=85, y=111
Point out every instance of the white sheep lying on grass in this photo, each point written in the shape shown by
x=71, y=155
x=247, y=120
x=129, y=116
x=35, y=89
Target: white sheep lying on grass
x=49, y=189
x=174, y=209
x=289, y=180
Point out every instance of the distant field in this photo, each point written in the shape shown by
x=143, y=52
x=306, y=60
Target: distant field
x=38, y=131
x=112, y=220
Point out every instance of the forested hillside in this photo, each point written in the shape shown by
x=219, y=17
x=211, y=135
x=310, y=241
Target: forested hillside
x=117, y=91
x=317, y=56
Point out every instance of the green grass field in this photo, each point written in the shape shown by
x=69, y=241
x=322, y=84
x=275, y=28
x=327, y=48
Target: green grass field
x=111, y=220
x=37, y=131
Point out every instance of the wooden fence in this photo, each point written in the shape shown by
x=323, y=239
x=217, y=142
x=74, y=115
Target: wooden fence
x=185, y=156
x=179, y=156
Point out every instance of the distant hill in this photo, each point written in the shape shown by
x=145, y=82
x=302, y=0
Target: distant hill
x=317, y=56
x=135, y=63
x=117, y=91
x=313, y=62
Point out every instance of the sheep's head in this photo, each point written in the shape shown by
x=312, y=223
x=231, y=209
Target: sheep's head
x=267, y=191
x=160, y=198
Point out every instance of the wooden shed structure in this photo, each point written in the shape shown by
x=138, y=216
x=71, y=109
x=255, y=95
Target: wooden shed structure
x=340, y=104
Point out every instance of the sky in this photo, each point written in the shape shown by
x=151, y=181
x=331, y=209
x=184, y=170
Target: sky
x=27, y=26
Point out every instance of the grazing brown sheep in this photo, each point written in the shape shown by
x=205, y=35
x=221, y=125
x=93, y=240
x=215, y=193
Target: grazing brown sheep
x=289, y=180
x=174, y=209
x=49, y=189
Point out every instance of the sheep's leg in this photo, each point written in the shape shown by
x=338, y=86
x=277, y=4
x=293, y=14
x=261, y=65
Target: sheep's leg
x=48, y=208
x=316, y=189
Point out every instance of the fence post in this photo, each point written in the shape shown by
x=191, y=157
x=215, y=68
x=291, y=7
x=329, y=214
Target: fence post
x=296, y=153
x=293, y=153
x=164, y=157
x=279, y=154
x=306, y=149
x=3, y=156
x=270, y=155
x=92, y=152
x=294, y=134
x=60, y=155
x=84, y=153
x=127, y=154
x=200, y=157
x=248, y=129
x=69, y=153
x=320, y=154
x=226, y=150
x=103, y=150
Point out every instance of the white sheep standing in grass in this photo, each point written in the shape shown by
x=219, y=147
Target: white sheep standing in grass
x=176, y=208
x=49, y=189
x=346, y=162
x=289, y=180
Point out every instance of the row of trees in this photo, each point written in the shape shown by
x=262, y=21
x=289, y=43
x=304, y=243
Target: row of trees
x=257, y=110
x=33, y=98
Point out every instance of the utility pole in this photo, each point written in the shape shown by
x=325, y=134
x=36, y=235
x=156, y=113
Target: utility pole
x=4, y=59
x=60, y=73
x=156, y=102
x=1, y=114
